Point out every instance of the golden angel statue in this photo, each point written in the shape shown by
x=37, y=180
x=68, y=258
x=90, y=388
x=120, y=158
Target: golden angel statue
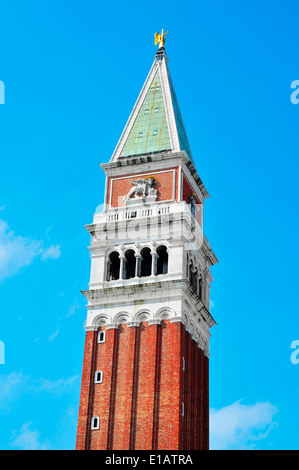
x=160, y=38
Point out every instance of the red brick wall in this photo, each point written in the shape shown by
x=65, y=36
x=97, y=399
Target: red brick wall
x=140, y=400
x=203, y=422
x=86, y=396
x=123, y=388
x=169, y=410
x=146, y=387
x=105, y=361
x=118, y=188
x=205, y=403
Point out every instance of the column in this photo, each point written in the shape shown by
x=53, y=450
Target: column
x=122, y=267
x=138, y=266
x=154, y=263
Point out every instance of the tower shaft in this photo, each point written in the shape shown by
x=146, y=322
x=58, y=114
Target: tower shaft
x=145, y=379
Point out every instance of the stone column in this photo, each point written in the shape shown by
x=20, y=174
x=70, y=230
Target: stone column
x=122, y=267
x=138, y=266
x=154, y=263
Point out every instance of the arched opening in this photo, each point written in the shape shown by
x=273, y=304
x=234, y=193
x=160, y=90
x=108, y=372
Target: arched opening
x=113, y=266
x=199, y=293
x=101, y=336
x=187, y=267
x=130, y=265
x=146, y=262
x=98, y=377
x=194, y=281
x=162, y=262
x=95, y=422
x=191, y=272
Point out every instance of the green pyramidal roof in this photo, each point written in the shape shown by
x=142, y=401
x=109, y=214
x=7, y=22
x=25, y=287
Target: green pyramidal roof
x=183, y=140
x=155, y=124
x=150, y=131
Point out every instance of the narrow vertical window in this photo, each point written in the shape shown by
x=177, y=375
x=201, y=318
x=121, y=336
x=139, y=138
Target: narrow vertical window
x=199, y=293
x=130, y=266
x=101, y=337
x=162, y=263
x=95, y=422
x=183, y=409
x=190, y=274
x=146, y=262
x=194, y=281
x=114, y=266
x=98, y=377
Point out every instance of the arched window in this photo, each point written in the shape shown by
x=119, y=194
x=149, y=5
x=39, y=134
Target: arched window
x=95, y=422
x=130, y=265
x=194, y=280
x=146, y=262
x=187, y=267
x=101, y=336
x=162, y=263
x=98, y=378
x=199, y=293
x=191, y=273
x=113, y=266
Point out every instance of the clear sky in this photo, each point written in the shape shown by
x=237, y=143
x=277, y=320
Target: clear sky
x=72, y=71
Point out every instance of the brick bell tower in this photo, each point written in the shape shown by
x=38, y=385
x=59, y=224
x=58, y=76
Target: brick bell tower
x=145, y=380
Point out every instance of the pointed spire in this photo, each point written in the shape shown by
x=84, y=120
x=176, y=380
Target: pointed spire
x=155, y=124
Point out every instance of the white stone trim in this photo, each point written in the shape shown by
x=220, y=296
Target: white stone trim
x=178, y=304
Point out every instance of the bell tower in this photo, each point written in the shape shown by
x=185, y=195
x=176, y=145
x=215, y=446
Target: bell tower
x=145, y=379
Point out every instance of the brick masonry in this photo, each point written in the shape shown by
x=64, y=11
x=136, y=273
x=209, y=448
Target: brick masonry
x=154, y=394
x=166, y=185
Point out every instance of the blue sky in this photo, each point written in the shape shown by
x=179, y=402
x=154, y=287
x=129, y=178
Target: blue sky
x=72, y=72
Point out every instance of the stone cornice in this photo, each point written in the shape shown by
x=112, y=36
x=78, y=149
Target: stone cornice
x=193, y=314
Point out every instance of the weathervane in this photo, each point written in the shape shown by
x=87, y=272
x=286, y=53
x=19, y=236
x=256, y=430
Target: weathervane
x=160, y=38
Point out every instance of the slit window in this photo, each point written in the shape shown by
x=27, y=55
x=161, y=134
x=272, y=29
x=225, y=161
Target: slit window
x=95, y=422
x=98, y=377
x=101, y=336
x=200, y=288
x=146, y=262
x=162, y=263
x=130, y=265
x=114, y=266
